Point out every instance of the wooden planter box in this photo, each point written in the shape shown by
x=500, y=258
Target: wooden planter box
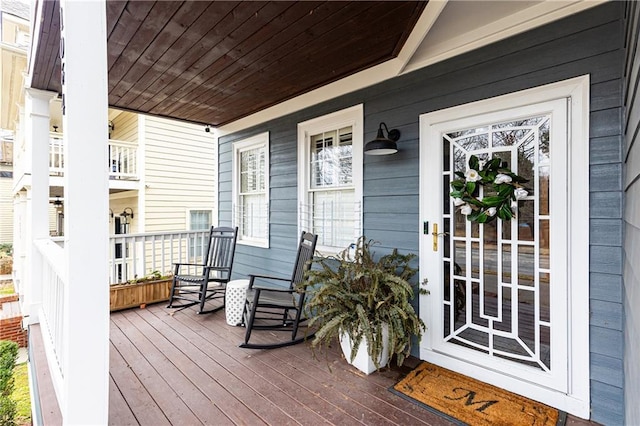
x=6, y=265
x=124, y=296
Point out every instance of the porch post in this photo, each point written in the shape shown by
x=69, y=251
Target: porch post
x=86, y=301
x=37, y=221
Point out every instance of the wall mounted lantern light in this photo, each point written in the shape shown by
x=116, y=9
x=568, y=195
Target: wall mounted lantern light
x=126, y=214
x=382, y=145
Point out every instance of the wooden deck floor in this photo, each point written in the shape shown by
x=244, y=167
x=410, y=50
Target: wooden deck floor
x=187, y=369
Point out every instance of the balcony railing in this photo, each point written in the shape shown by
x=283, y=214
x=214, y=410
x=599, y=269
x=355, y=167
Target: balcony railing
x=123, y=158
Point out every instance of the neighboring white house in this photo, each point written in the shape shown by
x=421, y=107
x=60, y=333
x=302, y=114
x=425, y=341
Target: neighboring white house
x=6, y=200
x=14, y=42
x=155, y=184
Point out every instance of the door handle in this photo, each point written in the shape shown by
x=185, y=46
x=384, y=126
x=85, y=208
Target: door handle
x=434, y=232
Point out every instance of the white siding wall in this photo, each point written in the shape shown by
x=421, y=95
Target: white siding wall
x=125, y=127
x=6, y=207
x=180, y=172
x=53, y=219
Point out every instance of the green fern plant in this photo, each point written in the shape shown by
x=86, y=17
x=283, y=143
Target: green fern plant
x=355, y=294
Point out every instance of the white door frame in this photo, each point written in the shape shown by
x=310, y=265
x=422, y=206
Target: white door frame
x=577, y=398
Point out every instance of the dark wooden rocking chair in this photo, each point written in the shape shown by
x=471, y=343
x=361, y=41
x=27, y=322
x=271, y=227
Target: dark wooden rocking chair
x=197, y=283
x=279, y=308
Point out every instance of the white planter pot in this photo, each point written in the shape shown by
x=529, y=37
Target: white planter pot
x=362, y=360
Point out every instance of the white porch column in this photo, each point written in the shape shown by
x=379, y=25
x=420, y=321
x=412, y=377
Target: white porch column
x=86, y=316
x=36, y=133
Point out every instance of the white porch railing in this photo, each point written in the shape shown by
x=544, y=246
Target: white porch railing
x=51, y=315
x=131, y=256
x=134, y=256
x=123, y=158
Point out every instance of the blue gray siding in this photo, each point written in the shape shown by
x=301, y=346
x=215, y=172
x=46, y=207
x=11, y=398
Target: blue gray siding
x=587, y=43
x=631, y=155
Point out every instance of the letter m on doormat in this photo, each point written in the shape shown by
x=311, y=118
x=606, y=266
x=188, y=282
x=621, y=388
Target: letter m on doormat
x=470, y=399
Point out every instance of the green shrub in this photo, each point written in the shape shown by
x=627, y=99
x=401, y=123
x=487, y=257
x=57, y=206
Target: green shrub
x=6, y=248
x=8, y=356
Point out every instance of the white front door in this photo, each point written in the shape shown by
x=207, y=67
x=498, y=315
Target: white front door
x=500, y=303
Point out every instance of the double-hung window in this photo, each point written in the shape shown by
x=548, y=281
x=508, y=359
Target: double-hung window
x=199, y=220
x=251, y=190
x=330, y=178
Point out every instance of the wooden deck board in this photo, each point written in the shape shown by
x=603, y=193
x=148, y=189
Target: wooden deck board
x=205, y=372
x=177, y=371
x=272, y=388
x=139, y=402
x=293, y=376
x=119, y=412
x=161, y=356
x=151, y=377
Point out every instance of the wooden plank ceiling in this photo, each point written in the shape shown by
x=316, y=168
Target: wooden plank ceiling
x=216, y=62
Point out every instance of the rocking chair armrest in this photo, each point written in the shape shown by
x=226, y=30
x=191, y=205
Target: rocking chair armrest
x=189, y=264
x=252, y=277
x=216, y=268
x=276, y=289
x=177, y=266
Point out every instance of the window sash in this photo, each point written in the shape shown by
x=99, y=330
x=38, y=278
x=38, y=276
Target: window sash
x=334, y=216
x=331, y=159
x=252, y=170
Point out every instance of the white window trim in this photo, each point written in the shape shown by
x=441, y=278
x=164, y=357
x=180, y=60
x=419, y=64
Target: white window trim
x=354, y=117
x=253, y=142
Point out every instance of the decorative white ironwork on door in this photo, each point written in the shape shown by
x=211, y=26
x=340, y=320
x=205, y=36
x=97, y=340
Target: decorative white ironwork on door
x=495, y=296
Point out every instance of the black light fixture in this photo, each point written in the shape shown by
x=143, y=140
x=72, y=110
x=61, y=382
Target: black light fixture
x=382, y=145
x=126, y=214
x=57, y=203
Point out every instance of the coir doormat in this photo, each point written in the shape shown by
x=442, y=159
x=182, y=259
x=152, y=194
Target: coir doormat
x=473, y=402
